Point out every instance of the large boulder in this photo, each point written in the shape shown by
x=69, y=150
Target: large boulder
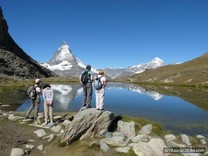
x=87, y=123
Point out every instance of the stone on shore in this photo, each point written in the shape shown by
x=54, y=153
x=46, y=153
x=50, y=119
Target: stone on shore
x=87, y=123
x=127, y=128
x=170, y=137
x=146, y=130
x=17, y=152
x=153, y=147
x=103, y=146
x=185, y=139
x=40, y=133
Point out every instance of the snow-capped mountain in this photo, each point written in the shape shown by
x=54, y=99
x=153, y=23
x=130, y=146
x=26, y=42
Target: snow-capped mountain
x=122, y=72
x=64, y=63
x=155, y=63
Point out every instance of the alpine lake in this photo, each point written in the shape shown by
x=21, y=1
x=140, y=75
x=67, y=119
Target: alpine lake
x=178, y=109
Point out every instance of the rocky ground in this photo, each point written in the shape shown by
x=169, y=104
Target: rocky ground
x=15, y=135
x=86, y=135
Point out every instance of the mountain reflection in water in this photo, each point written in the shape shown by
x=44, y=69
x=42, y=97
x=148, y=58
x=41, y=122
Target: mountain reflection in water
x=179, y=109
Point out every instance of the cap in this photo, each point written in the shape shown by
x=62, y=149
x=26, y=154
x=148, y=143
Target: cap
x=88, y=67
x=37, y=80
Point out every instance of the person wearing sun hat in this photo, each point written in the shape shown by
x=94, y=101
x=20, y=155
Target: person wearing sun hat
x=35, y=103
x=100, y=93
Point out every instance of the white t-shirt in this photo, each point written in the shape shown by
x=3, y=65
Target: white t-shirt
x=102, y=79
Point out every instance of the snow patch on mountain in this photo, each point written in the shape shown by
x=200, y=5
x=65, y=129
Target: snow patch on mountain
x=122, y=72
x=155, y=63
x=64, y=65
x=64, y=61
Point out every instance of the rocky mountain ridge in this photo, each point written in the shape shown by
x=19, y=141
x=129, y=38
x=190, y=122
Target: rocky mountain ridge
x=14, y=61
x=131, y=70
x=190, y=72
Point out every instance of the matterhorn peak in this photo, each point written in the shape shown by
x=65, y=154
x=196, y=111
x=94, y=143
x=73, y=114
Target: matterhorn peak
x=63, y=54
x=64, y=63
x=64, y=47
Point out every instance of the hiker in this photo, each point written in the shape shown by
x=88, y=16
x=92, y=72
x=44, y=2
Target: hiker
x=86, y=79
x=35, y=102
x=48, y=103
x=100, y=91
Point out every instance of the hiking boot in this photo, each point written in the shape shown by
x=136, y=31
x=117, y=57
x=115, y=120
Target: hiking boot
x=51, y=124
x=26, y=117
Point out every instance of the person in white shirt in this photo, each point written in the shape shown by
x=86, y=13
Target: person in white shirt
x=35, y=103
x=100, y=93
x=48, y=103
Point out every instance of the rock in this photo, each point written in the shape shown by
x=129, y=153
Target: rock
x=123, y=149
x=106, y=134
x=119, y=134
x=103, y=146
x=115, y=141
x=146, y=130
x=17, y=152
x=154, y=148
x=66, y=123
x=40, y=119
x=139, y=138
x=132, y=144
x=40, y=133
x=12, y=117
x=41, y=147
x=185, y=139
x=127, y=128
x=50, y=137
x=56, y=128
x=203, y=142
x=173, y=144
x=170, y=137
x=200, y=137
x=87, y=123
x=29, y=146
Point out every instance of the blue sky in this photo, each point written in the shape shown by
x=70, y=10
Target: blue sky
x=110, y=33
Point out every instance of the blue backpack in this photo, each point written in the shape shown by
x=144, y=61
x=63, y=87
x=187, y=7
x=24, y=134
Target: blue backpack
x=97, y=83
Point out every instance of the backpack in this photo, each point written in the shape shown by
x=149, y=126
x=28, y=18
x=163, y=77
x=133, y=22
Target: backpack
x=97, y=83
x=31, y=92
x=84, y=77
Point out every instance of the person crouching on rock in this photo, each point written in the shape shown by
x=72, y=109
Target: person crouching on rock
x=48, y=103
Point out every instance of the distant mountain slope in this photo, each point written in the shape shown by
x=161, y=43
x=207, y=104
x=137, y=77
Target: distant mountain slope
x=13, y=60
x=116, y=73
x=191, y=72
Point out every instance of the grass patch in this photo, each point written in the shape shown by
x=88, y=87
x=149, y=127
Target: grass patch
x=157, y=129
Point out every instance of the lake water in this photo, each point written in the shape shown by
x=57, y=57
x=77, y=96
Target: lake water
x=179, y=109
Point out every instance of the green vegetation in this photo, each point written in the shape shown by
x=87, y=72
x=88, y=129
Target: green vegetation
x=140, y=122
x=192, y=73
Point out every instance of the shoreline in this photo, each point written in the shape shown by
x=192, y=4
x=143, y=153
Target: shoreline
x=17, y=134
